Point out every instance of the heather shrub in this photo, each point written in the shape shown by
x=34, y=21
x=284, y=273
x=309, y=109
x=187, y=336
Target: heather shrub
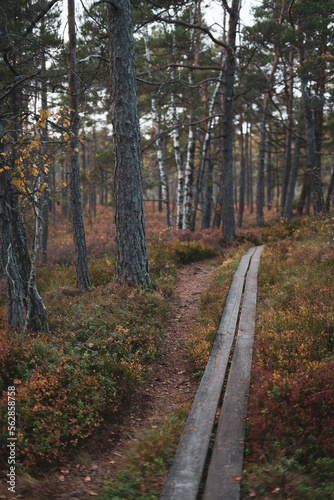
x=290, y=427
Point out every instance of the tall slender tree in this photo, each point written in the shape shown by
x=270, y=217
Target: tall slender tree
x=81, y=259
x=226, y=183
x=131, y=251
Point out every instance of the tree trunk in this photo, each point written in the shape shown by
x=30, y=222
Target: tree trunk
x=269, y=170
x=15, y=293
x=312, y=157
x=242, y=172
x=44, y=135
x=190, y=163
x=226, y=186
x=330, y=187
x=177, y=149
x=293, y=178
x=208, y=193
x=251, y=173
x=288, y=133
x=81, y=259
x=260, y=176
x=131, y=250
x=204, y=152
x=162, y=169
x=22, y=294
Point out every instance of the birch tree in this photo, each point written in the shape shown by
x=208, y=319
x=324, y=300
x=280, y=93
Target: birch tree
x=155, y=119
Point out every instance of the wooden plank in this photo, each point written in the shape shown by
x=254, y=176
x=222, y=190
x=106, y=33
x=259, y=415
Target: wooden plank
x=185, y=475
x=224, y=475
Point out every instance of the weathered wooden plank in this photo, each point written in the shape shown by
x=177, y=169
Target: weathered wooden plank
x=223, y=480
x=185, y=475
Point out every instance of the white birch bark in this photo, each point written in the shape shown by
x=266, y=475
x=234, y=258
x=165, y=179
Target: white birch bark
x=162, y=169
x=177, y=150
x=205, y=147
x=189, y=169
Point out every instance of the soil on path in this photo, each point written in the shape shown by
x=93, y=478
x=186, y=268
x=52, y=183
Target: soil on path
x=171, y=383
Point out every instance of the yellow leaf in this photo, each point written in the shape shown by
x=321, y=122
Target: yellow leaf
x=66, y=137
x=76, y=150
x=3, y=154
x=64, y=184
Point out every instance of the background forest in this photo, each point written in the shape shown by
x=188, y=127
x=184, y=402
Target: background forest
x=136, y=137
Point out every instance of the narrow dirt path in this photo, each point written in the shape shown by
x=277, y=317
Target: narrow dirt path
x=171, y=383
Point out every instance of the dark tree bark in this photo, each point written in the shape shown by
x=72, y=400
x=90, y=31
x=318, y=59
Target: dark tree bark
x=22, y=293
x=251, y=191
x=288, y=133
x=44, y=135
x=81, y=259
x=312, y=157
x=260, y=176
x=15, y=292
x=269, y=170
x=226, y=186
x=293, y=178
x=242, y=179
x=330, y=188
x=131, y=250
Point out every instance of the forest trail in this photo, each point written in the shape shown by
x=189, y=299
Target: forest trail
x=171, y=383
x=229, y=368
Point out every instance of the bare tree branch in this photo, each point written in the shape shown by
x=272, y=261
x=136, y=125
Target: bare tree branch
x=176, y=65
x=195, y=26
x=227, y=8
x=39, y=17
x=173, y=127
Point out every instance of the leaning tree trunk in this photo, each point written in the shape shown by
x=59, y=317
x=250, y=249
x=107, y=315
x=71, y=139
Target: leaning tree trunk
x=162, y=169
x=81, y=259
x=22, y=294
x=131, y=250
x=226, y=185
x=9, y=264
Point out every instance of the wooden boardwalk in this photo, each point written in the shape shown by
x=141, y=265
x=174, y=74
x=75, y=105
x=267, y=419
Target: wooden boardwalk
x=186, y=473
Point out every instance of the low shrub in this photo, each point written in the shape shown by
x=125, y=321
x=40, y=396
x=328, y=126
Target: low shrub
x=146, y=461
x=290, y=431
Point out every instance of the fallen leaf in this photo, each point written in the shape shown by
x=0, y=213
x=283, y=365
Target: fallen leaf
x=238, y=478
x=92, y=493
x=61, y=478
x=87, y=479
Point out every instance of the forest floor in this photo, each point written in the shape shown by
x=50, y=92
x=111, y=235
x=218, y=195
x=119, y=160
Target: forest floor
x=171, y=383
